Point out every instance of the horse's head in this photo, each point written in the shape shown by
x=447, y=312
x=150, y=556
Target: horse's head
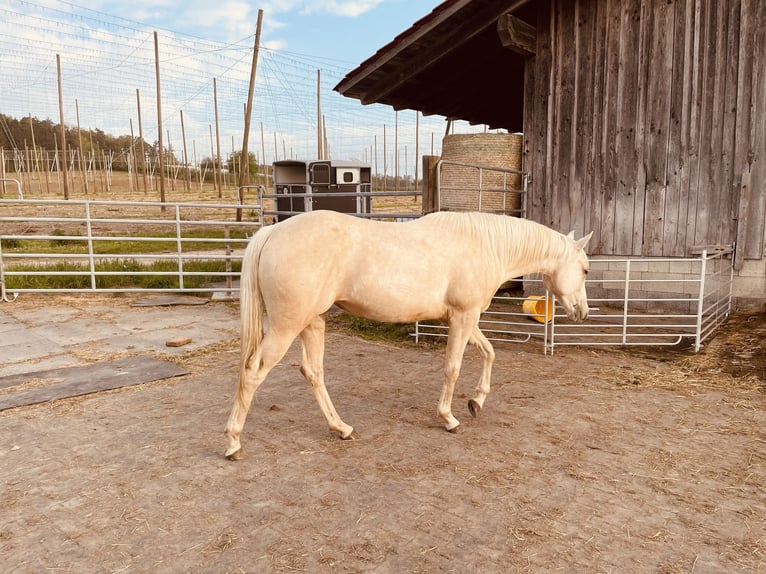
x=567, y=281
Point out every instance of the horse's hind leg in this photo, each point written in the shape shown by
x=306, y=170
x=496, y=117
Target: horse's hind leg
x=272, y=349
x=312, y=367
x=488, y=353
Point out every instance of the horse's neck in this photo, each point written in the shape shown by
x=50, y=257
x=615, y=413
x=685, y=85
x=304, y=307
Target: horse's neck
x=536, y=249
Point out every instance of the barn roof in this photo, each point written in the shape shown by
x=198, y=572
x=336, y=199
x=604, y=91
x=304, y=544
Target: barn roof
x=451, y=62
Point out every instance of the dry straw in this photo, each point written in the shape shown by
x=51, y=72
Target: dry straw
x=460, y=185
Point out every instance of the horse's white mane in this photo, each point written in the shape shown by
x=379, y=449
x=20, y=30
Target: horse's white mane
x=511, y=234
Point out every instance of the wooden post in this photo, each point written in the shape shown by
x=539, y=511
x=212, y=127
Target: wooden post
x=396, y=150
x=28, y=165
x=171, y=166
x=47, y=172
x=417, y=149
x=325, y=146
x=79, y=139
x=159, y=119
x=56, y=160
x=263, y=159
x=244, y=158
x=217, y=165
x=212, y=155
x=132, y=158
x=141, y=144
x=430, y=193
x=385, y=160
x=276, y=154
x=34, y=147
x=62, y=129
x=2, y=172
x=187, y=173
x=196, y=163
x=320, y=154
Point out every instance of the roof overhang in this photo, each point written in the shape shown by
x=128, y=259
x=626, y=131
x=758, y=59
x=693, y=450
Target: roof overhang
x=464, y=60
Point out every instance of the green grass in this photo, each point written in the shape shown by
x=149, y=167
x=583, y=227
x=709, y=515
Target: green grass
x=131, y=280
x=120, y=247
x=371, y=330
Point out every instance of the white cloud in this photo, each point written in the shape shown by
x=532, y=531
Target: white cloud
x=350, y=8
x=275, y=44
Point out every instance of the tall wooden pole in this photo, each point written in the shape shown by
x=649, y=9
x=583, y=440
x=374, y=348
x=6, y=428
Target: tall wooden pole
x=325, y=145
x=2, y=173
x=141, y=144
x=396, y=150
x=263, y=159
x=320, y=151
x=62, y=129
x=161, y=155
x=79, y=143
x=187, y=173
x=217, y=140
x=171, y=165
x=34, y=146
x=276, y=149
x=385, y=160
x=132, y=180
x=417, y=148
x=212, y=154
x=244, y=158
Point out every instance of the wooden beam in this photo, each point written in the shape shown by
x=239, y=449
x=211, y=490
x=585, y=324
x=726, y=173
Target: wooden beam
x=517, y=35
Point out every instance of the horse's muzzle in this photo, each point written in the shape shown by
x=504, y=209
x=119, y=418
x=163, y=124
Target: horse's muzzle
x=578, y=312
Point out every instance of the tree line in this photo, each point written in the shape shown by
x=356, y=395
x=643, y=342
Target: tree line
x=33, y=135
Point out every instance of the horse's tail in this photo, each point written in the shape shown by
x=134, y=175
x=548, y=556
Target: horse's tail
x=251, y=304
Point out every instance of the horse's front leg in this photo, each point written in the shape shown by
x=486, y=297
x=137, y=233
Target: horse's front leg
x=459, y=332
x=478, y=339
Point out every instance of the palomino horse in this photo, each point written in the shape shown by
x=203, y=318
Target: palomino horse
x=445, y=265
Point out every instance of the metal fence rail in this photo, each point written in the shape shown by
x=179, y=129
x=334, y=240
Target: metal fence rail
x=651, y=301
x=98, y=241
x=634, y=302
x=378, y=200
x=4, y=181
x=484, y=188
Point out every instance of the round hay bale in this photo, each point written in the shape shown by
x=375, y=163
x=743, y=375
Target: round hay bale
x=468, y=188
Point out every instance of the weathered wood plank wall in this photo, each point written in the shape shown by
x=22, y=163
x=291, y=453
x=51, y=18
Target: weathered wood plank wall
x=645, y=121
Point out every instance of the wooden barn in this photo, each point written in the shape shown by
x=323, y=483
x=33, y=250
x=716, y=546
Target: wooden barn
x=643, y=120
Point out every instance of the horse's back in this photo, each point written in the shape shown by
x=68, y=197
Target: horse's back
x=381, y=270
x=340, y=241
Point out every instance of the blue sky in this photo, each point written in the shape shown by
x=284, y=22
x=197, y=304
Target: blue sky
x=106, y=49
x=346, y=32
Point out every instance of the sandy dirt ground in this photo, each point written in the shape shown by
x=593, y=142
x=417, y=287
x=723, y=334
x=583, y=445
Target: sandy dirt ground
x=587, y=461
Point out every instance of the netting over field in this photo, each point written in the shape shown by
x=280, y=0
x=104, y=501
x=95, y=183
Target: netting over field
x=106, y=60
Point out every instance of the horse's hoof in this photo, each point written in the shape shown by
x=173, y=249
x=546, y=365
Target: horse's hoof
x=457, y=429
x=236, y=455
x=474, y=407
x=350, y=436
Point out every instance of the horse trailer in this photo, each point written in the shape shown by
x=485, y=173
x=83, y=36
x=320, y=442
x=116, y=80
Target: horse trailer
x=323, y=184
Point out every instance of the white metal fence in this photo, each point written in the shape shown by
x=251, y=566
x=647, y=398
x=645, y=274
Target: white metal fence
x=185, y=247
x=633, y=301
x=82, y=245
x=391, y=205
x=466, y=187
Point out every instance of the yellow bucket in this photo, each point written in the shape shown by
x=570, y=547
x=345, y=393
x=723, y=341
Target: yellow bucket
x=534, y=308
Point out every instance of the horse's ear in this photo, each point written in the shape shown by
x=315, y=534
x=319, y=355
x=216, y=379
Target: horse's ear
x=570, y=235
x=582, y=242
